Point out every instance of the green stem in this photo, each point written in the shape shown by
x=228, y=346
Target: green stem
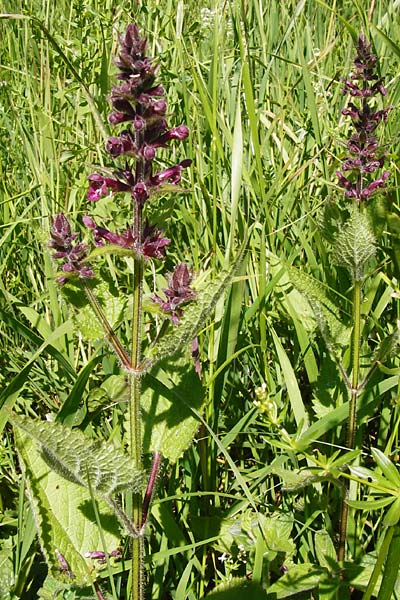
x=354, y=392
x=135, y=442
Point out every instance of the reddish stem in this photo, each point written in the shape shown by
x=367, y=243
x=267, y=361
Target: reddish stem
x=150, y=487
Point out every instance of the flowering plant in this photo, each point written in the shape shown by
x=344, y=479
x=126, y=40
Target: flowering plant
x=138, y=103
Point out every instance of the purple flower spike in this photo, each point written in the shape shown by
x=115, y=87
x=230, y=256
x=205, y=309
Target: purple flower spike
x=178, y=292
x=73, y=254
x=363, y=146
x=138, y=102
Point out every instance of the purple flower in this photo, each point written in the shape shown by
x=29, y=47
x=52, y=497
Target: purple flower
x=73, y=254
x=363, y=146
x=172, y=174
x=152, y=244
x=124, y=144
x=100, y=186
x=177, y=293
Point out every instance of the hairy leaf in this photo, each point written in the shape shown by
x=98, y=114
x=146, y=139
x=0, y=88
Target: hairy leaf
x=355, y=245
x=325, y=311
x=309, y=299
x=64, y=517
x=196, y=315
x=81, y=460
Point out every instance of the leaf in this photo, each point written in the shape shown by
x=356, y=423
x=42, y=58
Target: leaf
x=241, y=531
x=169, y=394
x=238, y=589
x=371, y=504
x=7, y=577
x=54, y=589
x=392, y=517
x=294, y=480
x=387, y=467
x=195, y=316
x=112, y=305
x=68, y=410
x=64, y=517
x=77, y=458
x=355, y=245
x=299, y=578
x=308, y=299
x=325, y=550
x=388, y=345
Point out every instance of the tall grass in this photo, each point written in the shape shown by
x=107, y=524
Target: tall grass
x=259, y=85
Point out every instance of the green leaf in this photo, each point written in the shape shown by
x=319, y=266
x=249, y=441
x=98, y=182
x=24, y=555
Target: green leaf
x=355, y=245
x=307, y=297
x=64, y=517
x=325, y=550
x=388, y=345
x=387, y=467
x=7, y=577
x=68, y=410
x=112, y=305
x=371, y=504
x=242, y=531
x=296, y=400
x=110, y=249
x=170, y=392
x=299, y=578
x=78, y=459
x=195, y=316
x=238, y=589
x=392, y=517
x=54, y=589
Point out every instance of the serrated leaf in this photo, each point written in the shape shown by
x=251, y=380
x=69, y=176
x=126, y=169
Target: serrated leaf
x=64, y=517
x=355, y=245
x=388, y=345
x=169, y=394
x=241, y=531
x=79, y=459
x=7, y=577
x=195, y=316
x=54, y=589
x=313, y=307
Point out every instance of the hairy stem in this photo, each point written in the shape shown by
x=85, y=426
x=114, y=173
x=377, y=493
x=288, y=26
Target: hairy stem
x=110, y=334
x=354, y=393
x=135, y=393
